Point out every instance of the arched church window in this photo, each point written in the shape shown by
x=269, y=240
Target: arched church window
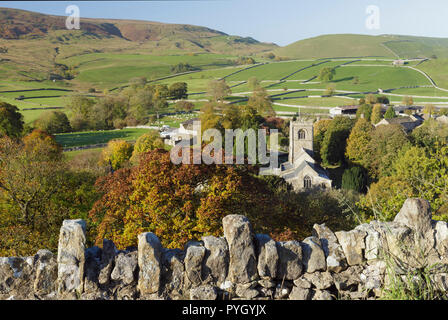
x=301, y=134
x=307, y=182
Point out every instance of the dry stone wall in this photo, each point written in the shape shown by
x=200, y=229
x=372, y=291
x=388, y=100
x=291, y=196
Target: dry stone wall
x=240, y=265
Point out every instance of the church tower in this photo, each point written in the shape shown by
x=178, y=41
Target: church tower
x=300, y=136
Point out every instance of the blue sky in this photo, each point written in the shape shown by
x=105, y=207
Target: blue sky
x=278, y=21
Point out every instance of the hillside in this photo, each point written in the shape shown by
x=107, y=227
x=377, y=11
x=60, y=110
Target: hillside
x=33, y=45
x=354, y=45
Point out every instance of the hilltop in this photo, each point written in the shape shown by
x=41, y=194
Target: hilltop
x=356, y=45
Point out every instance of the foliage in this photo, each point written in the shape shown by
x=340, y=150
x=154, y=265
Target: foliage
x=148, y=141
x=326, y=74
x=376, y=113
x=386, y=143
x=333, y=145
x=355, y=179
x=364, y=110
x=390, y=113
x=183, y=105
x=218, y=90
x=183, y=67
x=430, y=133
x=358, y=141
x=417, y=172
x=116, y=153
x=11, y=120
x=261, y=102
x=178, y=90
x=320, y=128
x=37, y=192
x=53, y=122
x=176, y=202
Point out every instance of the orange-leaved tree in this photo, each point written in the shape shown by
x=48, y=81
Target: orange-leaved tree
x=177, y=202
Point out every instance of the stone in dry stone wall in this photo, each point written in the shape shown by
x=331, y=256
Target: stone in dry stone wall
x=416, y=214
x=243, y=261
x=290, y=260
x=194, y=256
x=353, y=244
x=267, y=256
x=205, y=292
x=71, y=258
x=313, y=255
x=108, y=254
x=173, y=273
x=149, y=262
x=334, y=254
x=216, y=260
x=46, y=273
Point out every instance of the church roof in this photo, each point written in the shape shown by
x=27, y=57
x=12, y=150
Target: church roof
x=315, y=167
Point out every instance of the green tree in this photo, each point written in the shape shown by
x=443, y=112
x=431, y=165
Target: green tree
x=253, y=83
x=178, y=90
x=11, y=120
x=260, y=101
x=390, y=113
x=148, y=141
x=364, y=110
x=386, y=143
x=358, y=141
x=334, y=143
x=376, y=113
x=320, y=128
x=354, y=178
x=370, y=99
x=116, y=153
x=53, y=122
x=218, y=90
x=327, y=74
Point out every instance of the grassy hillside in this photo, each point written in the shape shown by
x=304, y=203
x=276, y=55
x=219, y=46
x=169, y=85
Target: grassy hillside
x=335, y=46
x=354, y=45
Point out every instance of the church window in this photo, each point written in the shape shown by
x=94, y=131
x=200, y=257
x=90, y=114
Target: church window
x=307, y=182
x=301, y=134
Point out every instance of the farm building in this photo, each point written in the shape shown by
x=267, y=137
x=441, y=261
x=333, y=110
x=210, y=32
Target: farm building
x=343, y=110
x=407, y=123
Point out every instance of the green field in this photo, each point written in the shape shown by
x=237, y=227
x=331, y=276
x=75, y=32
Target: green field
x=78, y=139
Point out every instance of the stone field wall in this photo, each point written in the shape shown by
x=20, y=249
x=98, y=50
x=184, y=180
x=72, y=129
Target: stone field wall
x=239, y=265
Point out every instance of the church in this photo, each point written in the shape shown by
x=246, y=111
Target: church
x=301, y=170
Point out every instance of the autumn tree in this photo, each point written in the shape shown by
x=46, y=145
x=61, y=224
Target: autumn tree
x=385, y=144
x=183, y=105
x=177, y=202
x=408, y=101
x=116, y=153
x=37, y=193
x=358, y=141
x=364, y=111
x=260, y=101
x=218, y=90
x=146, y=142
x=370, y=99
x=376, y=113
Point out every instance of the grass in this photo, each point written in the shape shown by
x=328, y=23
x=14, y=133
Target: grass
x=78, y=139
x=319, y=102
